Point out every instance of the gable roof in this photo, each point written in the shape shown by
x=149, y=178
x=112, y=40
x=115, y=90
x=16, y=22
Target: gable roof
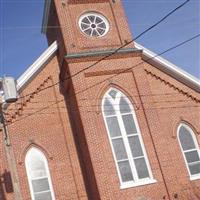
x=36, y=67
x=157, y=61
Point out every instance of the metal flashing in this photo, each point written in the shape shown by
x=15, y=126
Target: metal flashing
x=102, y=53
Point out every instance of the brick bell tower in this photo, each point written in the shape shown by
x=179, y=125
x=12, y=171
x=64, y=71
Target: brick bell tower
x=86, y=25
x=87, y=31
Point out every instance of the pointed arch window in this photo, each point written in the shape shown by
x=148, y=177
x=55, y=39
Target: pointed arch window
x=190, y=150
x=38, y=175
x=125, y=139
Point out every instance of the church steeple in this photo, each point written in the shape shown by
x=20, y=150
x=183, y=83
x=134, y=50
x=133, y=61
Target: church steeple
x=86, y=31
x=86, y=25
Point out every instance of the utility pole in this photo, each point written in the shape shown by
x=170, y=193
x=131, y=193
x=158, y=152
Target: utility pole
x=8, y=85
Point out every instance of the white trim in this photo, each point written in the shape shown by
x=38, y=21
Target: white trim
x=47, y=171
x=193, y=178
x=137, y=181
x=170, y=68
x=36, y=66
x=95, y=14
x=46, y=15
x=196, y=176
x=137, y=184
x=158, y=62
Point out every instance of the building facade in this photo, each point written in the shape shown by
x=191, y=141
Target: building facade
x=99, y=124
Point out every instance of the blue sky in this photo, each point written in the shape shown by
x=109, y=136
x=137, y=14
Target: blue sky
x=21, y=41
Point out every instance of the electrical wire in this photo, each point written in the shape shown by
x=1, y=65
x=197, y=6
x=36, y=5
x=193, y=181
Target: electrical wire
x=86, y=99
x=95, y=105
x=113, y=53
x=140, y=63
x=165, y=51
x=95, y=111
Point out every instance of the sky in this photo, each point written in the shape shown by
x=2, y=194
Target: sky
x=21, y=40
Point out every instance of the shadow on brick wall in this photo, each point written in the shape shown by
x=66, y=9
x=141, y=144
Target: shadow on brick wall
x=6, y=185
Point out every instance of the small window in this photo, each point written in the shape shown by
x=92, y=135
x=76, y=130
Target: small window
x=190, y=150
x=38, y=175
x=125, y=139
x=93, y=25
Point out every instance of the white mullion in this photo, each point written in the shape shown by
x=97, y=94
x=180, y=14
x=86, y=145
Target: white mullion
x=116, y=137
x=132, y=135
x=138, y=157
x=39, y=178
x=115, y=104
x=122, y=160
x=195, y=162
x=95, y=19
x=110, y=140
x=144, y=151
x=100, y=22
x=89, y=20
x=141, y=143
x=109, y=116
x=42, y=192
x=185, y=151
x=85, y=23
x=86, y=29
x=125, y=139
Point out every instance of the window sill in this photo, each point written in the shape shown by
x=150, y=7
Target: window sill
x=192, y=178
x=137, y=184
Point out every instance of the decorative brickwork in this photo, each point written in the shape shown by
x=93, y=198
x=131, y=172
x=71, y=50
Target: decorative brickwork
x=63, y=115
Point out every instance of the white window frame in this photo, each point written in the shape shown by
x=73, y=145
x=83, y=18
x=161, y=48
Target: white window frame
x=137, y=181
x=95, y=14
x=195, y=176
x=31, y=150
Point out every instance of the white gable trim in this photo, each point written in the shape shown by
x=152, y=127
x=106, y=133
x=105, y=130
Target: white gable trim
x=36, y=66
x=46, y=15
x=158, y=62
x=170, y=68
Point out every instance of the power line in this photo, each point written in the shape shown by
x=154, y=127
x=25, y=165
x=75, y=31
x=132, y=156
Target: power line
x=146, y=60
x=191, y=21
x=113, y=53
x=95, y=105
x=87, y=99
x=169, y=49
x=107, y=110
x=95, y=111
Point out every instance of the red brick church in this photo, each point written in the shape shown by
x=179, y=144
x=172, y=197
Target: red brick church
x=123, y=128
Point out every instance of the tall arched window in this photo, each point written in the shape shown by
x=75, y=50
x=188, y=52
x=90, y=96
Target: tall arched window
x=38, y=175
x=190, y=150
x=125, y=139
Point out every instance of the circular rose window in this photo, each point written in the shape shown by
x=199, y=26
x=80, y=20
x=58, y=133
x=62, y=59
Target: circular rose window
x=93, y=24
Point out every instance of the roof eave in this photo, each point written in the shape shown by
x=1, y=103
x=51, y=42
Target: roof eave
x=46, y=15
x=36, y=67
x=169, y=68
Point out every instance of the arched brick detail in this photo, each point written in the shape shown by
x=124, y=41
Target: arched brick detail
x=28, y=147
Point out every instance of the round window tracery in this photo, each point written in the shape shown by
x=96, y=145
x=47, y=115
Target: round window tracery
x=93, y=24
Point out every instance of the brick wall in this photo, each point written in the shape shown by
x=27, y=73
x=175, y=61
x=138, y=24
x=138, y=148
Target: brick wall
x=72, y=133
